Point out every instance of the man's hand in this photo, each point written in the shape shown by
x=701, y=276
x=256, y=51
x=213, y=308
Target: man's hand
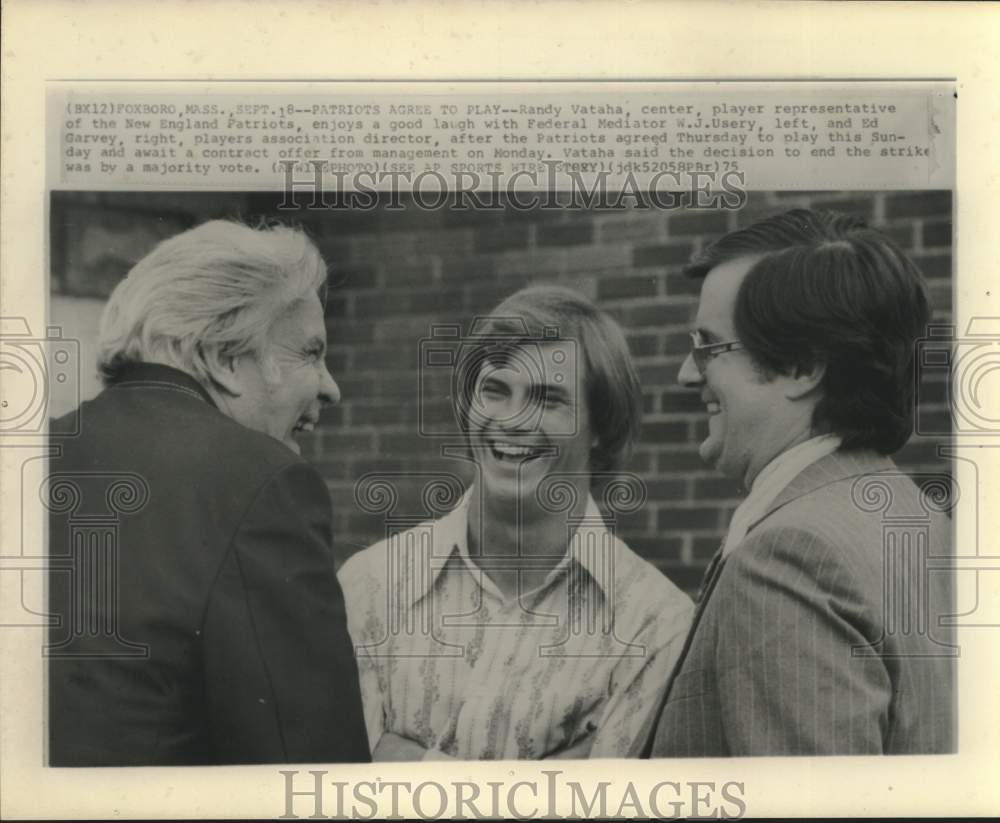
x=394, y=747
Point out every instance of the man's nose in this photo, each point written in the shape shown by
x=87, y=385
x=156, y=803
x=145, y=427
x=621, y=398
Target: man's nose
x=329, y=391
x=689, y=375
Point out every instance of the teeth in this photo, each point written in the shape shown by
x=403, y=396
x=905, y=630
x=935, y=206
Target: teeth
x=513, y=451
x=510, y=450
x=305, y=426
x=713, y=407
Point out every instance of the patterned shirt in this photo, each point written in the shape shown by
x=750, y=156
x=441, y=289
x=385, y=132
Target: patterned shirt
x=446, y=660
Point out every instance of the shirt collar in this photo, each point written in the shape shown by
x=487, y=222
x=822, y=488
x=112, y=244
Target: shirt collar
x=774, y=477
x=139, y=375
x=451, y=537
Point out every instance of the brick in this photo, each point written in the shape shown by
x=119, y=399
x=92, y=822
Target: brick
x=683, y=401
x=377, y=464
x=347, y=444
x=934, y=265
x=639, y=462
x=923, y=204
x=443, y=244
x=403, y=444
x=462, y=268
x=936, y=233
x=360, y=276
x=474, y=213
x=502, y=238
x=933, y=389
x=717, y=488
x=341, y=332
x=360, y=385
x=415, y=274
x=664, y=254
x=376, y=357
x=632, y=227
x=903, y=234
x=564, y=234
x=332, y=416
x=383, y=303
x=920, y=452
x=372, y=414
x=654, y=314
x=677, y=519
x=605, y=259
x=697, y=222
x=678, y=343
x=538, y=207
x=538, y=263
x=411, y=330
x=680, y=461
x=633, y=523
x=616, y=288
x=663, y=432
x=941, y=296
x=934, y=421
x=643, y=345
x=668, y=490
x=338, y=360
x=703, y=547
x=699, y=431
x=336, y=306
x=681, y=284
x=657, y=549
x=656, y=374
x=336, y=253
x=857, y=206
x=425, y=302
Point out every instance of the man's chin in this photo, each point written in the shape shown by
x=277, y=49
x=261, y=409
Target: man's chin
x=293, y=445
x=511, y=486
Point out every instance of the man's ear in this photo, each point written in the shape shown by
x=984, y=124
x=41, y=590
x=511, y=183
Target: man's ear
x=222, y=369
x=804, y=380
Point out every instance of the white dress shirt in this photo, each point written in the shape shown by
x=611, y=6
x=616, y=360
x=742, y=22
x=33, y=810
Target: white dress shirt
x=771, y=481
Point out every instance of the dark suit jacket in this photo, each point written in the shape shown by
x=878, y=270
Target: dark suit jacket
x=199, y=615
x=821, y=634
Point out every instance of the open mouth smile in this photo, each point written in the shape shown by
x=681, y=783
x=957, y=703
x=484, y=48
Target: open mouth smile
x=305, y=424
x=515, y=452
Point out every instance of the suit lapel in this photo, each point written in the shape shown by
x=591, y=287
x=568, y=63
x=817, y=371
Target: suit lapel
x=823, y=472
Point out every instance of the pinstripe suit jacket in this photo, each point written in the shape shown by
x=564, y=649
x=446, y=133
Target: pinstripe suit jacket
x=821, y=633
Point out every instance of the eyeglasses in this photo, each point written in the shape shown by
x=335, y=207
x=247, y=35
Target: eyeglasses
x=702, y=352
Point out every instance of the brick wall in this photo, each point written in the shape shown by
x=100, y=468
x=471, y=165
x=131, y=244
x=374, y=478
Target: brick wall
x=398, y=272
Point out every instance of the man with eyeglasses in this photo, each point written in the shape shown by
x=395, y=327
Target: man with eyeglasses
x=818, y=628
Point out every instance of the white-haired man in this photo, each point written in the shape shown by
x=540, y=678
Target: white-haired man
x=221, y=636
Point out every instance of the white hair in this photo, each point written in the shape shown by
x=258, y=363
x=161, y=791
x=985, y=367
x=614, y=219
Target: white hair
x=219, y=285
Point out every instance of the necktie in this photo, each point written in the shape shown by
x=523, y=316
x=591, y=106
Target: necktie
x=708, y=581
x=708, y=578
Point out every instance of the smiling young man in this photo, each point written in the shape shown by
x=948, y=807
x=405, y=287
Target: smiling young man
x=819, y=629
x=528, y=630
x=224, y=640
